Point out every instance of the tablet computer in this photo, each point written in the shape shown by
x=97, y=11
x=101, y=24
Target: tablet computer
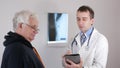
x=73, y=57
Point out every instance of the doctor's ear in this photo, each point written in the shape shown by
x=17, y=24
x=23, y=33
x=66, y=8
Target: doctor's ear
x=92, y=21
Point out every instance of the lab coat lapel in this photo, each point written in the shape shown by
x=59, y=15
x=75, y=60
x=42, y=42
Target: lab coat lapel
x=93, y=38
x=81, y=48
x=84, y=51
x=78, y=40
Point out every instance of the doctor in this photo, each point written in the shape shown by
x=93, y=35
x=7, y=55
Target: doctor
x=89, y=43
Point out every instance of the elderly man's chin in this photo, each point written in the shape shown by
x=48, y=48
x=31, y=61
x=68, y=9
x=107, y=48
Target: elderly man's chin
x=31, y=39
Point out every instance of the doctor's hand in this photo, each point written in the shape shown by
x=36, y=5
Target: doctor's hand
x=71, y=64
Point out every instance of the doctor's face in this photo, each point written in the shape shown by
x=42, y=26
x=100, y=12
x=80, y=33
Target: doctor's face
x=84, y=21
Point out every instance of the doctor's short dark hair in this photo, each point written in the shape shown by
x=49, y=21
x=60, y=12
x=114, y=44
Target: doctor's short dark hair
x=85, y=8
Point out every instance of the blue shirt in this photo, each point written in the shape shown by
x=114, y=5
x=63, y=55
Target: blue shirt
x=88, y=33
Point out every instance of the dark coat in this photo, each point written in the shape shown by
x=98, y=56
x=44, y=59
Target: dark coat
x=19, y=53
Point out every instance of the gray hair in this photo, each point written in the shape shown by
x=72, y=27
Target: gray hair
x=22, y=17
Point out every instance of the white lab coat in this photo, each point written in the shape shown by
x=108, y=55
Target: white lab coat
x=95, y=54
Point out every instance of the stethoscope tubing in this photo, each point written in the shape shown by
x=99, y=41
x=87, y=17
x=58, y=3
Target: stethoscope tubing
x=74, y=41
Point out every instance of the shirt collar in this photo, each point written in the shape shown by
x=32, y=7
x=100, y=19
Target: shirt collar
x=88, y=33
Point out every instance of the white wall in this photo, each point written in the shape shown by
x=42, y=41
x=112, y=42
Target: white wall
x=107, y=22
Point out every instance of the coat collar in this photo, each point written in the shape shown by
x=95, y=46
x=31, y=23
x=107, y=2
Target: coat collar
x=93, y=37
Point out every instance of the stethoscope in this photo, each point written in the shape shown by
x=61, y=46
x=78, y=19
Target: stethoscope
x=74, y=42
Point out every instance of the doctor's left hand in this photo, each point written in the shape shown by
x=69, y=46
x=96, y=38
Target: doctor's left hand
x=72, y=64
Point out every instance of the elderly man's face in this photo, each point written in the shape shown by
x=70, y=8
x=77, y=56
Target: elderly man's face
x=30, y=29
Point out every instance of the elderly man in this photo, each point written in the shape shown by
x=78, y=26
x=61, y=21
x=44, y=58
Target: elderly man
x=19, y=52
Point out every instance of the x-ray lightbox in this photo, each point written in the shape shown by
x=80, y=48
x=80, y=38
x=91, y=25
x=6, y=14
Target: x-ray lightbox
x=57, y=27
